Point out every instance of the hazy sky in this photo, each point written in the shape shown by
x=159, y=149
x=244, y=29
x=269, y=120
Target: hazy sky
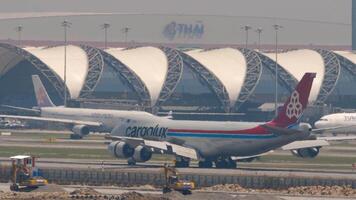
x=338, y=11
x=330, y=10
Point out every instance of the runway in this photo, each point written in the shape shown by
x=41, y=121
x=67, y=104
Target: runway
x=63, y=155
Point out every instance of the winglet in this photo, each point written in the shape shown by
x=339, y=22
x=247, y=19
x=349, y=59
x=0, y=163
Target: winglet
x=295, y=105
x=42, y=97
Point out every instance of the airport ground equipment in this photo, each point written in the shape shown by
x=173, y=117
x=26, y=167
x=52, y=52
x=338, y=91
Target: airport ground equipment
x=173, y=182
x=24, y=173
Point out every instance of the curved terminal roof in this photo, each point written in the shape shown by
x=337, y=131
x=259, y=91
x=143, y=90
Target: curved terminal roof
x=77, y=64
x=299, y=62
x=8, y=60
x=228, y=64
x=351, y=56
x=149, y=63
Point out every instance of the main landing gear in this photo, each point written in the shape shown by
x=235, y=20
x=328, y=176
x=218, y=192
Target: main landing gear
x=226, y=163
x=220, y=163
x=205, y=164
x=182, y=161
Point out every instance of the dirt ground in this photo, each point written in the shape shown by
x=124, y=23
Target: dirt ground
x=339, y=191
x=211, y=193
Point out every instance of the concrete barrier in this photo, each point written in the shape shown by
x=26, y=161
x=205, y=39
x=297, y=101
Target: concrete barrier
x=124, y=178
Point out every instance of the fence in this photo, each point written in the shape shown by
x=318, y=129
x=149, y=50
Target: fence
x=123, y=178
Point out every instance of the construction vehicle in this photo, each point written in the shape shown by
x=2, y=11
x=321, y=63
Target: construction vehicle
x=173, y=182
x=24, y=173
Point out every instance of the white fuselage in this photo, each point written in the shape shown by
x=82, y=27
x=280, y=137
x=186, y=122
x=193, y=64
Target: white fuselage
x=338, y=120
x=210, y=138
x=109, y=118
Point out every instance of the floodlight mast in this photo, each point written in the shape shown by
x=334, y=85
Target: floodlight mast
x=246, y=28
x=105, y=26
x=19, y=34
x=276, y=27
x=65, y=24
x=126, y=32
x=259, y=32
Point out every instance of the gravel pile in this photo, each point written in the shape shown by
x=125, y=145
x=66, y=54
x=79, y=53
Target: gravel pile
x=85, y=192
x=34, y=195
x=303, y=190
x=138, y=196
x=323, y=190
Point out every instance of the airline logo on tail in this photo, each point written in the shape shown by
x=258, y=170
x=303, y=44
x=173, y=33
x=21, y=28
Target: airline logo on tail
x=42, y=97
x=294, y=107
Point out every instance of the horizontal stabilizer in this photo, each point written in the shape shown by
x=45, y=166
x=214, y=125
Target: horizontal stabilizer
x=305, y=144
x=281, y=131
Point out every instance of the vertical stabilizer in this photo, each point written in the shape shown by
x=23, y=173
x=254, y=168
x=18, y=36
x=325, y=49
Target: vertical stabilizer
x=295, y=105
x=42, y=97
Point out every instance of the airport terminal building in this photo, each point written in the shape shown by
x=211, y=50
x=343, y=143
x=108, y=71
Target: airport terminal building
x=160, y=79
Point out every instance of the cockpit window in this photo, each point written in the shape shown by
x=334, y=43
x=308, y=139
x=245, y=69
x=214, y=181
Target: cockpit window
x=323, y=119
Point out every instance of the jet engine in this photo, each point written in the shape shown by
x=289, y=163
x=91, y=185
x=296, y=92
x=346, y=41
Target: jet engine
x=306, y=152
x=142, y=154
x=121, y=149
x=305, y=127
x=79, y=131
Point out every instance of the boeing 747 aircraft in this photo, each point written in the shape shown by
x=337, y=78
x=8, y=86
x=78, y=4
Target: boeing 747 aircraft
x=82, y=120
x=137, y=137
x=346, y=123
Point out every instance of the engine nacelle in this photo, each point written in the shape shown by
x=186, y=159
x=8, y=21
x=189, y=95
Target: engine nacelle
x=306, y=152
x=142, y=154
x=305, y=127
x=121, y=149
x=81, y=130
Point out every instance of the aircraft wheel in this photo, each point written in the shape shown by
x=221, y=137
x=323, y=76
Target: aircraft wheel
x=231, y=164
x=221, y=163
x=205, y=164
x=14, y=187
x=75, y=136
x=131, y=161
x=182, y=162
x=166, y=190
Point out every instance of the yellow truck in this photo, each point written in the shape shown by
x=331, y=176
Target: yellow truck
x=24, y=173
x=173, y=182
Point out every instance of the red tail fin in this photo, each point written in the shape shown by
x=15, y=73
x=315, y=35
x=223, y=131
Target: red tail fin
x=295, y=105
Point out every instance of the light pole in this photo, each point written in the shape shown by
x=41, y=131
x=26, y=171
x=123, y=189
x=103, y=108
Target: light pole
x=19, y=31
x=126, y=32
x=259, y=32
x=246, y=28
x=65, y=24
x=106, y=26
x=276, y=27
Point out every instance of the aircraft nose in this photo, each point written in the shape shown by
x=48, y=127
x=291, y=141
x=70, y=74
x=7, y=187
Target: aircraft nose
x=318, y=124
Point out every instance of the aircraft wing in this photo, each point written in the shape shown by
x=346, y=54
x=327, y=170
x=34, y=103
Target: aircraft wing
x=337, y=138
x=162, y=146
x=321, y=130
x=46, y=119
x=248, y=157
x=318, y=142
x=21, y=108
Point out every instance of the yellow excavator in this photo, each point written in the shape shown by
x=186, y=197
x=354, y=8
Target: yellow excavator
x=173, y=182
x=24, y=173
